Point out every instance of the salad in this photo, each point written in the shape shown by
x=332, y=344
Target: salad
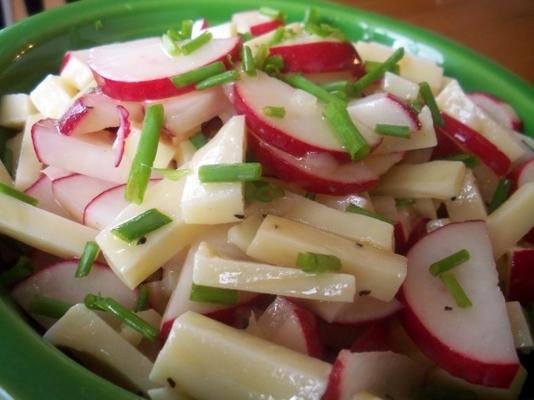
x=267, y=210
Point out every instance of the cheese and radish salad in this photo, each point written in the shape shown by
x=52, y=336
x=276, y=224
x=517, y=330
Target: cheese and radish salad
x=267, y=210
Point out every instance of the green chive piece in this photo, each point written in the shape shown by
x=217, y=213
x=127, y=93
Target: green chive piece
x=242, y=172
x=347, y=133
x=198, y=140
x=277, y=36
x=316, y=263
x=140, y=225
x=20, y=271
x=249, y=67
x=399, y=131
x=169, y=44
x=198, y=74
x=501, y=194
x=120, y=312
x=374, y=75
x=220, y=79
x=89, y=255
x=415, y=105
x=343, y=86
x=372, y=65
x=142, y=299
x=324, y=30
x=273, y=65
x=299, y=82
x=173, y=35
x=9, y=191
x=404, y=202
x=353, y=208
x=340, y=94
x=275, y=112
x=430, y=101
x=449, y=262
x=246, y=36
x=196, y=43
x=187, y=29
x=48, y=307
x=261, y=56
x=454, y=288
x=311, y=16
x=264, y=192
x=172, y=174
x=310, y=195
x=469, y=160
x=271, y=12
x=145, y=155
x=206, y=294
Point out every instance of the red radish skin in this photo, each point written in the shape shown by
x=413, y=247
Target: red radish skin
x=454, y=340
x=500, y=111
x=476, y=144
x=41, y=189
x=317, y=57
x=150, y=79
x=407, y=109
x=521, y=174
x=122, y=134
x=417, y=233
x=82, y=55
x=520, y=276
x=265, y=27
x=374, y=338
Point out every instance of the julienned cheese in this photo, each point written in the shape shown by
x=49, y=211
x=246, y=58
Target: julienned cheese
x=28, y=167
x=15, y=109
x=468, y=204
x=53, y=96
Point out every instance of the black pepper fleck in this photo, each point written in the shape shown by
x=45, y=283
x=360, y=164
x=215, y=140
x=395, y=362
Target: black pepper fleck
x=359, y=245
x=447, y=308
x=276, y=227
x=364, y=292
x=239, y=216
x=453, y=198
x=142, y=240
x=171, y=382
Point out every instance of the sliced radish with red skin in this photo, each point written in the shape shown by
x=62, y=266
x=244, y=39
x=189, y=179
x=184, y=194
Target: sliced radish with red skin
x=316, y=57
x=82, y=55
x=302, y=130
x=500, y=111
x=521, y=174
x=41, y=189
x=446, y=146
x=94, y=112
x=58, y=282
x=89, y=154
x=244, y=20
x=198, y=27
x=476, y=144
x=54, y=173
x=374, y=338
x=520, y=273
x=320, y=173
x=141, y=70
x=473, y=343
x=382, y=373
x=529, y=237
x=265, y=27
x=122, y=133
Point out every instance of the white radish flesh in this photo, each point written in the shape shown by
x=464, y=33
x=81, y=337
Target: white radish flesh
x=42, y=191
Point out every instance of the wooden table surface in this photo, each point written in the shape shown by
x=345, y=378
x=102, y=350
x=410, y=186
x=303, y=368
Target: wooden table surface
x=503, y=30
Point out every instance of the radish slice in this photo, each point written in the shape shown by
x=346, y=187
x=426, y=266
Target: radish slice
x=374, y=338
x=75, y=191
x=122, y=134
x=265, y=27
x=522, y=174
x=42, y=191
x=89, y=154
x=321, y=173
x=473, y=343
x=140, y=69
x=54, y=173
x=57, y=281
x=244, y=20
x=500, y=111
x=82, y=55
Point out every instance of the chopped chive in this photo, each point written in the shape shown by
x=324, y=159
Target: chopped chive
x=198, y=74
x=273, y=65
x=246, y=36
x=315, y=263
x=206, y=294
x=299, y=82
x=372, y=76
x=454, y=288
x=187, y=29
x=89, y=255
x=347, y=133
x=340, y=94
x=145, y=155
x=430, y=101
x=9, y=191
x=264, y=192
x=399, y=131
x=449, y=262
x=242, y=172
x=415, y=105
x=469, y=160
x=271, y=12
x=324, y=30
x=141, y=225
x=311, y=16
x=220, y=79
x=142, y=299
x=20, y=271
x=249, y=67
x=336, y=85
x=120, y=312
x=500, y=195
x=198, y=140
x=196, y=43
x=404, y=202
x=310, y=195
x=353, y=208
x=173, y=35
x=372, y=65
x=169, y=44
x=48, y=307
x=273, y=111
x=277, y=36
x=261, y=56
x=171, y=173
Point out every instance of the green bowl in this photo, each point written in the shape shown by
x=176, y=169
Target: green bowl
x=30, y=368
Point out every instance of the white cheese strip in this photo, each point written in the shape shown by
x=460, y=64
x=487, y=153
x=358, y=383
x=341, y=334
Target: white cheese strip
x=214, y=271
x=134, y=263
x=164, y=154
x=77, y=73
x=210, y=360
x=53, y=96
x=242, y=234
x=279, y=241
x=400, y=87
x=15, y=109
x=468, y=204
x=512, y=220
x=42, y=229
x=28, y=167
x=216, y=203
x=435, y=179
x=83, y=331
x=520, y=328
